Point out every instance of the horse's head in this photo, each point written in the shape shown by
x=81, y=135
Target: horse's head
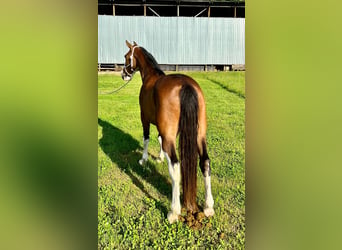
x=130, y=65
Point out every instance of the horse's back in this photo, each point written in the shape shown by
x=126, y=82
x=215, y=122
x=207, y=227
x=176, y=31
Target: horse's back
x=174, y=80
x=170, y=85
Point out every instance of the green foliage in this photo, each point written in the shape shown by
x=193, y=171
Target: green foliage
x=133, y=200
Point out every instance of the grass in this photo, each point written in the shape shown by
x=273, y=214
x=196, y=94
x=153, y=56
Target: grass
x=133, y=200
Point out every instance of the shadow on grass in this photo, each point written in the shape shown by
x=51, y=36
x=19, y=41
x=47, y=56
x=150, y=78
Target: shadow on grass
x=231, y=90
x=123, y=149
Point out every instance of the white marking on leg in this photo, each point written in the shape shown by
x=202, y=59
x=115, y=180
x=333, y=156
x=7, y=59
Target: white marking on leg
x=174, y=171
x=168, y=160
x=145, y=153
x=175, y=206
x=209, y=201
x=161, y=153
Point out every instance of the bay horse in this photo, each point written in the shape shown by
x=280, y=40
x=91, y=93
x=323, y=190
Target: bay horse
x=175, y=105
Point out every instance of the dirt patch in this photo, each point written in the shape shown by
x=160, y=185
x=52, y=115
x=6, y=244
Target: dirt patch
x=195, y=220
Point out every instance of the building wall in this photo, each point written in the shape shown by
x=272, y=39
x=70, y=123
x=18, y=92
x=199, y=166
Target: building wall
x=174, y=40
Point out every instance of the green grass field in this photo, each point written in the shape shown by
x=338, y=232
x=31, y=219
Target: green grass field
x=133, y=200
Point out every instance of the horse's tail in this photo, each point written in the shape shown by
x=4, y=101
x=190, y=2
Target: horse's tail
x=188, y=125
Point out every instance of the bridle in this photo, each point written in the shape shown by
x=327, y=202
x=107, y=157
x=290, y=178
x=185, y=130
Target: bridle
x=130, y=64
x=125, y=70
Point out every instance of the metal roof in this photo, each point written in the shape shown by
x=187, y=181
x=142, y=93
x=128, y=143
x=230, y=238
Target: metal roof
x=176, y=2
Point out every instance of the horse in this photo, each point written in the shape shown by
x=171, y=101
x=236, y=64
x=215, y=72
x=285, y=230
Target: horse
x=175, y=105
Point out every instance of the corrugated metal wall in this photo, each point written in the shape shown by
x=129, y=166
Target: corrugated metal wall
x=173, y=40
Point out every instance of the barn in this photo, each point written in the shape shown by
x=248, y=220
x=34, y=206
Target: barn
x=182, y=35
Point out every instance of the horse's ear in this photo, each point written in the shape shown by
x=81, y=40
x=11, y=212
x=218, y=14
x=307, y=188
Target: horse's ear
x=135, y=44
x=128, y=44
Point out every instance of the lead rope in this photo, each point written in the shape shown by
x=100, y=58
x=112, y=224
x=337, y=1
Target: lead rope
x=131, y=75
x=115, y=90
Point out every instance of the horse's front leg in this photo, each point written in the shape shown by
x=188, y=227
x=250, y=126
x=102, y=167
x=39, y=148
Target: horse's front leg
x=161, y=153
x=146, y=128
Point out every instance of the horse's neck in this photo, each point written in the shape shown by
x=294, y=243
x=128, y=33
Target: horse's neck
x=147, y=71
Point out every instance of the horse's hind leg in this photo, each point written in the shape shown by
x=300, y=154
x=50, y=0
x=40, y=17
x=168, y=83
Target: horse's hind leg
x=169, y=148
x=205, y=168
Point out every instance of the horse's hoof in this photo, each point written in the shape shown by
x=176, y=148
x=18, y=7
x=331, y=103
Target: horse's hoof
x=209, y=212
x=142, y=161
x=160, y=160
x=172, y=217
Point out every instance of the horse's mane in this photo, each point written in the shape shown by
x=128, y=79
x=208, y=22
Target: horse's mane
x=153, y=61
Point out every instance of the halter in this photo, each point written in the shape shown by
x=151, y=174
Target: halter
x=131, y=64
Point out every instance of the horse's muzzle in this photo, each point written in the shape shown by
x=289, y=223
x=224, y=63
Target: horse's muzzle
x=125, y=77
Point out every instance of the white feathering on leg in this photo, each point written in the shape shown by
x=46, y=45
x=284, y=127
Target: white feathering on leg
x=174, y=171
x=161, y=154
x=176, y=207
x=145, y=152
x=209, y=201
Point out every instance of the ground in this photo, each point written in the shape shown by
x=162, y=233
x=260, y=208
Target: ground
x=133, y=200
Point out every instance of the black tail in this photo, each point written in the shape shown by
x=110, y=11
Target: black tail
x=188, y=124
